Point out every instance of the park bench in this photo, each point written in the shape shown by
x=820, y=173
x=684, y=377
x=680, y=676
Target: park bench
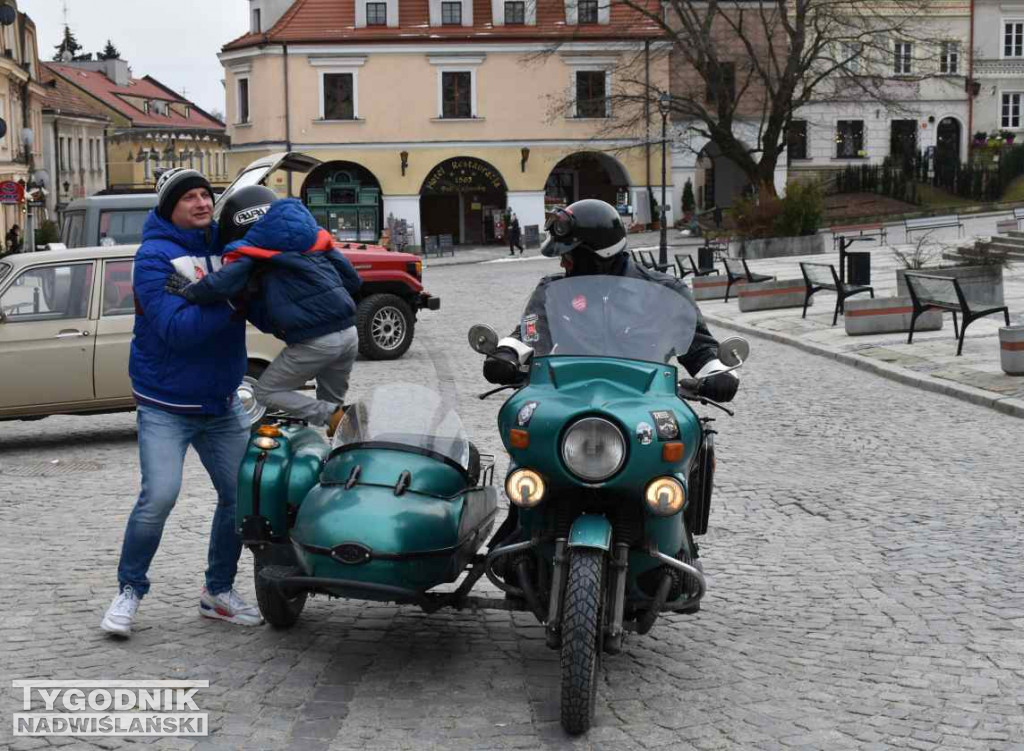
x=860, y=231
x=930, y=292
x=929, y=223
x=647, y=260
x=694, y=269
x=1006, y=226
x=735, y=275
x=821, y=276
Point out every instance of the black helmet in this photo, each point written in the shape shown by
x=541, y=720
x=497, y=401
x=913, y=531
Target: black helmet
x=241, y=209
x=589, y=224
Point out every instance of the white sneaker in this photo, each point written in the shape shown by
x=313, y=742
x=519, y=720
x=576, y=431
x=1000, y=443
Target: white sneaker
x=228, y=606
x=121, y=614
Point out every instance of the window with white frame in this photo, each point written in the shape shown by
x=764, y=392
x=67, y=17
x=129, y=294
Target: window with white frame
x=376, y=14
x=338, y=95
x=457, y=95
x=515, y=12
x=850, y=56
x=451, y=13
x=586, y=12
x=949, y=58
x=1011, y=110
x=903, y=53
x=1013, y=39
x=243, y=100
x=591, y=89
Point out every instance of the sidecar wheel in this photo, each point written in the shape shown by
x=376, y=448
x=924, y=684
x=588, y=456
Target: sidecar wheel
x=581, y=638
x=279, y=611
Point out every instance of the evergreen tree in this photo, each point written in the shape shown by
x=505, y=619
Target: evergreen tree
x=68, y=47
x=110, y=52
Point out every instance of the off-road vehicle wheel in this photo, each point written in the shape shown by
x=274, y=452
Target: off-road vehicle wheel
x=385, y=324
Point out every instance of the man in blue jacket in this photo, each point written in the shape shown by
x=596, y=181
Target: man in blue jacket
x=295, y=285
x=186, y=363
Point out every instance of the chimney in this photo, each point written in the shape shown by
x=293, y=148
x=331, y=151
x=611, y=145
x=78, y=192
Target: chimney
x=117, y=71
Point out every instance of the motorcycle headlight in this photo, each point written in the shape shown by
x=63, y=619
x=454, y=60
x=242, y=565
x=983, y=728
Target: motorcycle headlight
x=593, y=449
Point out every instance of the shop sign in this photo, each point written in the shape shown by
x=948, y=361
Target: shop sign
x=463, y=175
x=11, y=192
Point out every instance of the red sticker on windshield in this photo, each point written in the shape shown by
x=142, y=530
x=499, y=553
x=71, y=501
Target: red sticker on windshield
x=579, y=303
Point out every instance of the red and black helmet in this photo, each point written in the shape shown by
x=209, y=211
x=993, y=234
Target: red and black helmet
x=589, y=224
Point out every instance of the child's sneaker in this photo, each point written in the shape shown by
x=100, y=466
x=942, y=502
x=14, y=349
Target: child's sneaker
x=228, y=606
x=120, y=615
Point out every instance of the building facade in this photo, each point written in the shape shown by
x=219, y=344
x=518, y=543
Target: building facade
x=151, y=126
x=21, y=111
x=998, y=67
x=445, y=114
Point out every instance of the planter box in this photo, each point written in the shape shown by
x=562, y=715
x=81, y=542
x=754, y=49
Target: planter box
x=981, y=284
x=886, y=315
x=782, y=293
x=1011, y=349
x=712, y=287
x=776, y=247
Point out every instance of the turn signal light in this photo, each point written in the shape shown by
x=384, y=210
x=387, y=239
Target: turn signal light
x=271, y=431
x=665, y=496
x=672, y=452
x=519, y=439
x=525, y=488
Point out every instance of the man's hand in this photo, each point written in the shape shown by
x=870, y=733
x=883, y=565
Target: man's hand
x=178, y=284
x=715, y=384
x=503, y=367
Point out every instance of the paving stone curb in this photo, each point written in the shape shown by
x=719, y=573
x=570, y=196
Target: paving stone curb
x=1005, y=405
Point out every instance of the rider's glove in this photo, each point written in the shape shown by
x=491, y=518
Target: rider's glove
x=179, y=284
x=503, y=367
x=715, y=385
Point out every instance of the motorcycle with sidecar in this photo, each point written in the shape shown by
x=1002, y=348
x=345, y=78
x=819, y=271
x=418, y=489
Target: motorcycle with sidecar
x=610, y=479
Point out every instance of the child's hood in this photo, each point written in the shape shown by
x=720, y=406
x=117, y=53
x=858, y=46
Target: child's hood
x=287, y=226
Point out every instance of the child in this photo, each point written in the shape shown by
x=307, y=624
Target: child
x=298, y=288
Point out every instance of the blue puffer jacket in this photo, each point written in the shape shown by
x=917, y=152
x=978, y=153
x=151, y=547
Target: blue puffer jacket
x=185, y=358
x=303, y=287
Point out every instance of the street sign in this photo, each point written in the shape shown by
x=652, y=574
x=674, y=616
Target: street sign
x=11, y=192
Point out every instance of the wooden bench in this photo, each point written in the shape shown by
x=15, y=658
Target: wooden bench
x=682, y=271
x=930, y=292
x=821, y=276
x=735, y=275
x=863, y=231
x=647, y=260
x=929, y=223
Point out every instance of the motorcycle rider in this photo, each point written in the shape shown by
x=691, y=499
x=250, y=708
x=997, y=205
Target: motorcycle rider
x=590, y=238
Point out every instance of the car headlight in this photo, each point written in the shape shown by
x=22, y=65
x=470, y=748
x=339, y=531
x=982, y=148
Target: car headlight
x=593, y=449
x=665, y=496
x=525, y=488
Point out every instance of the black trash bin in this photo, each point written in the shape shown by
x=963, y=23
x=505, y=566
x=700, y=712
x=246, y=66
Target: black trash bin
x=705, y=258
x=858, y=268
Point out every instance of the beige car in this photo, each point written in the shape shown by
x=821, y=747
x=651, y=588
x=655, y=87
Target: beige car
x=66, y=319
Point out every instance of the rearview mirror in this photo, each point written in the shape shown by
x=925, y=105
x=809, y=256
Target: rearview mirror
x=483, y=339
x=733, y=351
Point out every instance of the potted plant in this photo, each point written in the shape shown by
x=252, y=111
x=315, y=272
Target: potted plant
x=980, y=139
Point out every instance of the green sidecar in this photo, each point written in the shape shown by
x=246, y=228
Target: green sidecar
x=397, y=505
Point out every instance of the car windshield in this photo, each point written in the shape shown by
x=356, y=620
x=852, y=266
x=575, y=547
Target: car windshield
x=609, y=316
x=407, y=415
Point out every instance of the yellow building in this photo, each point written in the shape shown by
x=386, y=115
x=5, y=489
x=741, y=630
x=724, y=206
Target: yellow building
x=446, y=113
x=21, y=111
x=151, y=126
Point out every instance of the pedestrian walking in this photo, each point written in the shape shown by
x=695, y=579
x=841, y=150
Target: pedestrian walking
x=298, y=288
x=718, y=217
x=515, y=235
x=186, y=362
x=13, y=241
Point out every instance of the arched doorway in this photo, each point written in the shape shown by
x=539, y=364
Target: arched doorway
x=586, y=174
x=465, y=198
x=345, y=198
x=947, y=150
x=718, y=181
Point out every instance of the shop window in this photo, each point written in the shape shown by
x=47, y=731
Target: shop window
x=451, y=13
x=515, y=13
x=456, y=94
x=376, y=14
x=339, y=96
x=586, y=12
x=850, y=139
x=796, y=139
x=591, y=93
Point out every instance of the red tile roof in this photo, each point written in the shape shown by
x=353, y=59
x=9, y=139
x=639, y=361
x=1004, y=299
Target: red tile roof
x=325, y=21
x=63, y=98
x=101, y=88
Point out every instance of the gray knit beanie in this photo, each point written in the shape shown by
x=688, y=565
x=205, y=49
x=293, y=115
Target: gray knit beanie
x=173, y=184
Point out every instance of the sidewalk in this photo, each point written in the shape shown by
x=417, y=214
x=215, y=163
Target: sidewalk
x=929, y=363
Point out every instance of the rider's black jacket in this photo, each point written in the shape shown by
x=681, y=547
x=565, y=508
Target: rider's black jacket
x=704, y=346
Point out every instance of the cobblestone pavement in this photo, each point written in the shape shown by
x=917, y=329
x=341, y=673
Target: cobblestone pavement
x=865, y=585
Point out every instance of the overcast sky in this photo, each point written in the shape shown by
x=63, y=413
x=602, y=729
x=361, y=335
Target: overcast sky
x=175, y=41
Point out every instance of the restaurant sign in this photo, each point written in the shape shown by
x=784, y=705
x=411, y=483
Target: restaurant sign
x=463, y=175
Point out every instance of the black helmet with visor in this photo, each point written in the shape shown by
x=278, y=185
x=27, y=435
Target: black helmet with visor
x=590, y=225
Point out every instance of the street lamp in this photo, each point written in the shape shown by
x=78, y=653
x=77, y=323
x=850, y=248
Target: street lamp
x=664, y=107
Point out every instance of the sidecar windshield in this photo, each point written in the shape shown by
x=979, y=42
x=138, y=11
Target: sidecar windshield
x=406, y=415
x=609, y=316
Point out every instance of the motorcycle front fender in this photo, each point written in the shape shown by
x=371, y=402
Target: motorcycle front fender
x=591, y=531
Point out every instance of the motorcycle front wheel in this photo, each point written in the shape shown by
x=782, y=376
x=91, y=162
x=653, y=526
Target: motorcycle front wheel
x=581, y=638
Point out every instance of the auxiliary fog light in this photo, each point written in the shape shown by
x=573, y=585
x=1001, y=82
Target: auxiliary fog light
x=525, y=488
x=665, y=496
x=265, y=442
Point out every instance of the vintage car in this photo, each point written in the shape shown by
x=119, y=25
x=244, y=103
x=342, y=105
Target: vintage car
x=388, y=301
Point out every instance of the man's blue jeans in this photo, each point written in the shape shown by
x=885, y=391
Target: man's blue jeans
x=221, y=442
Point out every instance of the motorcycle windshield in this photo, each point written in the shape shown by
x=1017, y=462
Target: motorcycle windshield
x=406, y=415
x=609, y=316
